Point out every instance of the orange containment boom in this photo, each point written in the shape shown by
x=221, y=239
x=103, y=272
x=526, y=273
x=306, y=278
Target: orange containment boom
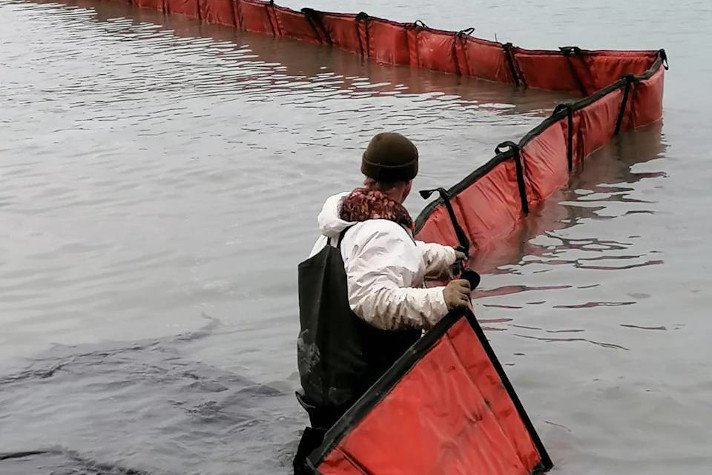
x=445, y=407
x=487, y=204
x=622, y=90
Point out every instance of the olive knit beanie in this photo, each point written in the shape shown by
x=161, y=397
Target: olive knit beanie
x=390, y=157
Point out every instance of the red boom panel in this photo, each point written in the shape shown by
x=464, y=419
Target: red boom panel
x=187, y=8
x=219, y=12
x=152, y=4
x=388, y=42
x=252, y=15
x=489, y=202
x=296, y=25
x=432, y=49
x=446, y=407
x=345, y=32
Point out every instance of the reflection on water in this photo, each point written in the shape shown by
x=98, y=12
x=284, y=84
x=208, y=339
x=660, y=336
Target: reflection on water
x=332, y=67
x=569, y=340
x=148, y=402
x=545, y=242
x=588, y=197
x=661, y=327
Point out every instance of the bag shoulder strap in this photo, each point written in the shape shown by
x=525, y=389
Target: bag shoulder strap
x=341, y=237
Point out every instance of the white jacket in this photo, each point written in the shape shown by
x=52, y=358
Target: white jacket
x=386, y=269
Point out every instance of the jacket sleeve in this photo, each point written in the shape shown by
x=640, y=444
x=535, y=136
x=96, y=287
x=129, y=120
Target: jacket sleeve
x=437, y=257
x=383, y=284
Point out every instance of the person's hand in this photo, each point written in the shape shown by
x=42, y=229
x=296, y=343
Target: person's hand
x=457, y=294
x=460, y=256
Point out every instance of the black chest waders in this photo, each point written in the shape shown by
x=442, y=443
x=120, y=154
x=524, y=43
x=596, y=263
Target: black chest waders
x=339, y=355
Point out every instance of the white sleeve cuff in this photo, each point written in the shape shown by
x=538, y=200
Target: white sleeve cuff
x=438, y=305
x=451, y=255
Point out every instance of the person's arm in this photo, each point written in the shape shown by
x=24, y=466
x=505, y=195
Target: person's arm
x=438, y=258
x=381, y=271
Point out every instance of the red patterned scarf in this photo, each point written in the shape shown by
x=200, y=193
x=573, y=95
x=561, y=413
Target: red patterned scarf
x=362, y=204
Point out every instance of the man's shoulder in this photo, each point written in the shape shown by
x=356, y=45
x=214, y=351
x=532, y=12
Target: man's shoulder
x=377, y=230
x=380, y=225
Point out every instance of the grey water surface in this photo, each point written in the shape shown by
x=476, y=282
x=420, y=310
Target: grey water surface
x=159, y=182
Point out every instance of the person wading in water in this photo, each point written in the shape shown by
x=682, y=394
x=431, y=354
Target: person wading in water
x=362, y=299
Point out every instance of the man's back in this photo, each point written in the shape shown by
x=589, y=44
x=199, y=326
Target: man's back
x=385, y=269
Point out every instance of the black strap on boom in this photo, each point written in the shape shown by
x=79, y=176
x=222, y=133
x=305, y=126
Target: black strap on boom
x=365, y=49
x=314, y=19
x=461, y=36
x=574, y=51
x=275, y=29
x=459, y=232
x=663, y=57
x=569, y=132
x=629, y=79
x=516, y=155
x=510, y=60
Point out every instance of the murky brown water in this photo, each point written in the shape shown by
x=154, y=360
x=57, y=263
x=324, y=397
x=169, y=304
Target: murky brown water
x=160, y=181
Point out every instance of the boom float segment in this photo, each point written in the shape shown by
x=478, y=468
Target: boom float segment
x=445, y=407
